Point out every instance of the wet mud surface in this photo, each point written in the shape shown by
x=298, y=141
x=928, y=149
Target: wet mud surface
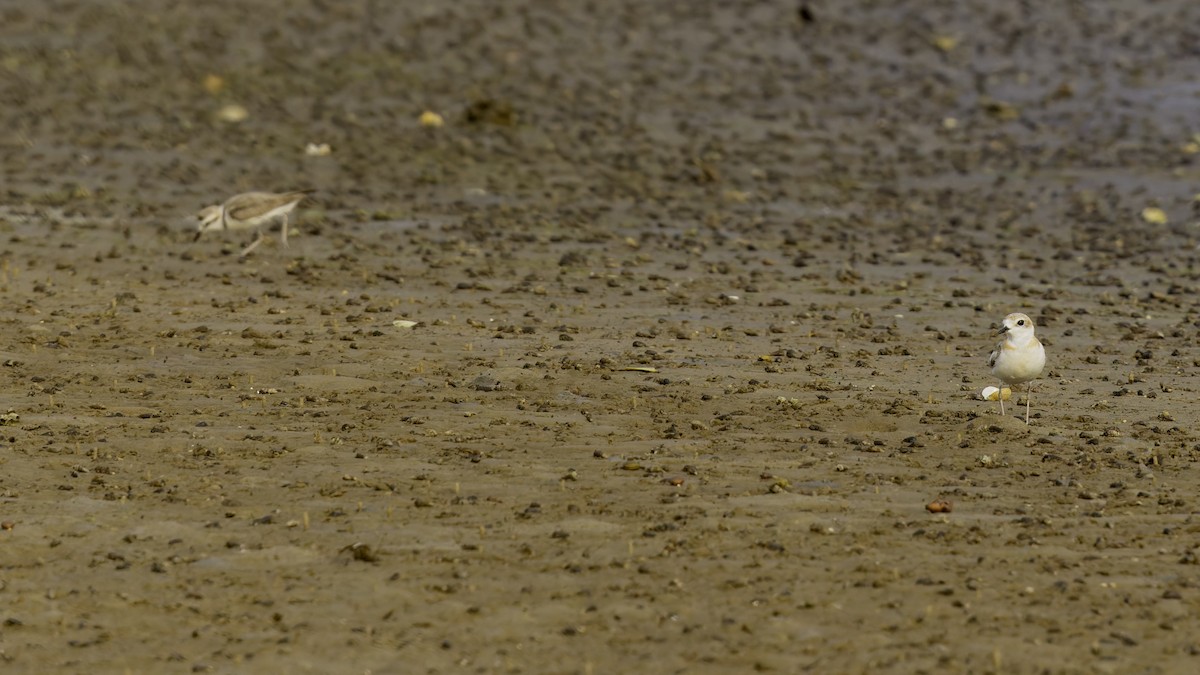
x=702, y=300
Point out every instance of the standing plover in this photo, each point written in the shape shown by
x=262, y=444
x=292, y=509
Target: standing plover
x=1020, y=358
x=250, y=210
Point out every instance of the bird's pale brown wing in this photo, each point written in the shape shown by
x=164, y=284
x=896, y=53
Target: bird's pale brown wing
x=254, y=204
x=995, y=355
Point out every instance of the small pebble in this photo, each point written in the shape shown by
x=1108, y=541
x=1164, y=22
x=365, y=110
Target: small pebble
x=939, y=506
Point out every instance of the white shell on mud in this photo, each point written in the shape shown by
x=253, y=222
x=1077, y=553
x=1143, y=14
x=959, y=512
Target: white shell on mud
x=232, y=113
x=992, y=393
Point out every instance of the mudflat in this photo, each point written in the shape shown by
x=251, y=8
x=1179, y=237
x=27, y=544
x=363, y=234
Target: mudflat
x=616, y=337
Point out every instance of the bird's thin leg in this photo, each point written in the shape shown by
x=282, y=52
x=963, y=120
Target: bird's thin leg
x=251, y=247
x=1000, y=397
x=1028, y=395
x=283, y=231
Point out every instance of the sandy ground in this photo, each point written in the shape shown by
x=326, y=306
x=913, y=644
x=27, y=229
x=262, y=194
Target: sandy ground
x=703, y=294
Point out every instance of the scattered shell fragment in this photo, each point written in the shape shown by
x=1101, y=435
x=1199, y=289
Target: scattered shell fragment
x=638, y=369
x=431, y=119
x=232, y=113
x=945, y=43
x=1154, y=215
x=403, y=323
x=315, y=150
x=991, y=393
x=939, y=506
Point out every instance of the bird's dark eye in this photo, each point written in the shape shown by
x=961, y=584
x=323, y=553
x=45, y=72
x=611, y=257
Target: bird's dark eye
x=1021, y=322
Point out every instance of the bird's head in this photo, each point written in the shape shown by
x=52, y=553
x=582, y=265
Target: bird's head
x=208, y=219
